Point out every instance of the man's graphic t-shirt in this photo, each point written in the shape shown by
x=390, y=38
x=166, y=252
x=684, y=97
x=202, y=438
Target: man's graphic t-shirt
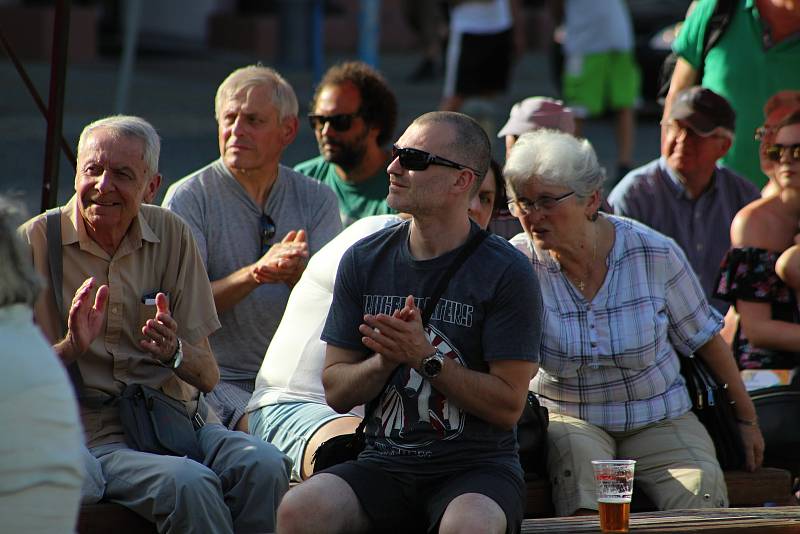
x=489, y=311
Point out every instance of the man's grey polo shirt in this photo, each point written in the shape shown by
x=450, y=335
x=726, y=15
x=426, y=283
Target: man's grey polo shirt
x=654, y=195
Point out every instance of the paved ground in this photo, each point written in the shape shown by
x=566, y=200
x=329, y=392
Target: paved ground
x=175, y=92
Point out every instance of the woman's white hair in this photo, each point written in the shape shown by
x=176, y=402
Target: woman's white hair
x=129, y=126
x=554, y=158
x=19, y=283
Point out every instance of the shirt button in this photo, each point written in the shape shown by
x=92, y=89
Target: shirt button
x=115, y=310
x=699, y=247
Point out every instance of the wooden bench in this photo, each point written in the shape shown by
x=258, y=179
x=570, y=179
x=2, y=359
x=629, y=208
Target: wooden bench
x=781, y=520
x=767, y=485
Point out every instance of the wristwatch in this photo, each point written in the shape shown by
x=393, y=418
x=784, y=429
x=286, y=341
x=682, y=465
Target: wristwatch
x=432, y=365
x=175, y=362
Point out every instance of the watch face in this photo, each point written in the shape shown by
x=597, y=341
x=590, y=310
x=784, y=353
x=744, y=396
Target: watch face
x=432, y=365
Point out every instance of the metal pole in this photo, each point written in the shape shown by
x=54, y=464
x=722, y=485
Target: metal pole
x=55, y=108
x=33, y=92
x=133, y=13
x=368, y=31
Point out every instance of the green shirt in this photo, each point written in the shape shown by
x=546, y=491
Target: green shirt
x=743, y=69
x=355, y=200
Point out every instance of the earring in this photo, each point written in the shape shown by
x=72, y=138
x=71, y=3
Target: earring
x=592, y=217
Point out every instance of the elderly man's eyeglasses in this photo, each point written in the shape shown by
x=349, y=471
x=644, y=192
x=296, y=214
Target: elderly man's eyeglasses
x=340, y=123
x=266, y=232
x=776, y=152
x=414, y=159
x=523, y=206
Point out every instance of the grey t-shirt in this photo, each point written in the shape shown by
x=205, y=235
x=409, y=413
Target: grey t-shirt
x=225, y=222
x=491, y=310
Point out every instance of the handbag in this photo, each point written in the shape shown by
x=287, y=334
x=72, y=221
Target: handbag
x=345, y=447
x=714, y=408
x=532, y=436
x=778, y=411
x=155, y=422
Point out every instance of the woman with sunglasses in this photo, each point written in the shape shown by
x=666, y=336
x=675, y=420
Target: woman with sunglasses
x=768, y=334
x=621, y=303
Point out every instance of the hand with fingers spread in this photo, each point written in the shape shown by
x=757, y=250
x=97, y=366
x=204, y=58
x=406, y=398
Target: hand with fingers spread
x=284, y=261
x=399, y=337
x=161, y=332
x=85, y=320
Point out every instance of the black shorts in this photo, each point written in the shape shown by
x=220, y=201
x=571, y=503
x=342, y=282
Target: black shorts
x=479, y=64
x=399, y=502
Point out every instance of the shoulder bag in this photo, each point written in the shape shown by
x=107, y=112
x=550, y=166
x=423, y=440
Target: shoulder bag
x=714, y=408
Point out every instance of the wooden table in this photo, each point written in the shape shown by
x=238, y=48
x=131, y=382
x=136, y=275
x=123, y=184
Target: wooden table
x=776, y=520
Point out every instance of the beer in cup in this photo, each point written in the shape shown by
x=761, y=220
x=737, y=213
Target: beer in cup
x=614, y=481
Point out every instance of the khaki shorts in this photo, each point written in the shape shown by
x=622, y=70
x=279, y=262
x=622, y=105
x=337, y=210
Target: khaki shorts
x=596, y=82
x=675, y=463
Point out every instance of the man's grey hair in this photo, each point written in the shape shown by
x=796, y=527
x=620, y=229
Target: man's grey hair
x=554, y=158
x=469, y=146
x=281, y=93
x=130, y=127
x=19, y=283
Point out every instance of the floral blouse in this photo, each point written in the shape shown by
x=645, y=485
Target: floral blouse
x=749, y=274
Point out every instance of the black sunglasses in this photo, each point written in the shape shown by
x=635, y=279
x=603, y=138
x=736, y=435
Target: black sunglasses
x=414, y=159
x=266, y=232
x=775, y=152
x=340, y=123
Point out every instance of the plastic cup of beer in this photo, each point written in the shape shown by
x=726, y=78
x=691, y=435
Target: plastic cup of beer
x=614, y=481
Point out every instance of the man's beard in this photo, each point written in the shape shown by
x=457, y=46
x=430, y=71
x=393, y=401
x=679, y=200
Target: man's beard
x=349, y=156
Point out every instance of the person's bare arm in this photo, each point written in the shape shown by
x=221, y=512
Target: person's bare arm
x=350, y=379
x=683, y=76
x=716, y=354
x=284, y=262
x=497, y=397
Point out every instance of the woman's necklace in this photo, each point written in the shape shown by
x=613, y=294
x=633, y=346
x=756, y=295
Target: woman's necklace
x=581, y=283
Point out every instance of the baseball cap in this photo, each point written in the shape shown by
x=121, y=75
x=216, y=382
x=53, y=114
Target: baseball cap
x=703, y=110
x=538, y=112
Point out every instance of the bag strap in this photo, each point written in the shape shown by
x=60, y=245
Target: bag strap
x=720, y=20
x=465, y=252
x=55, y=262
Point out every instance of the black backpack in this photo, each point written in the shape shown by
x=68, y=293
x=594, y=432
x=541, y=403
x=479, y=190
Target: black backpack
x=717, y=24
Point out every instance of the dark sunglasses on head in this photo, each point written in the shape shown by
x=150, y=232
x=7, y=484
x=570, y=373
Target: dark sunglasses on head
x=340, y=123
x=418, y=160
x=266, y=232
x=775, y=152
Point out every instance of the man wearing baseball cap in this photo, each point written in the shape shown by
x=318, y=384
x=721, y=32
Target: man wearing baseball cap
x=685, y=194
x=533, y=113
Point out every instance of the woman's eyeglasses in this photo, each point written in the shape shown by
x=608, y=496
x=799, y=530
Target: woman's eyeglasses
x=340, y=123
x=266, y=232
x=523, y=206
x=414, y=159
x=775, y=152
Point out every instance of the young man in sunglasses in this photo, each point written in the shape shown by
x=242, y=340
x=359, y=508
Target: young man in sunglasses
x=684, y=194
x=353, y=117
x=255, y=222
x=442, y=397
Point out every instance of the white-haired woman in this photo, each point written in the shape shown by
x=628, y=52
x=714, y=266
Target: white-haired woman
x=620, y=303
x=41, y=469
